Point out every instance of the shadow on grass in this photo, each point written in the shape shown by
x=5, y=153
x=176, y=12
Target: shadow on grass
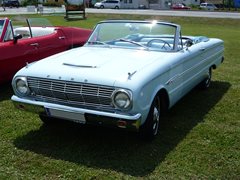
x=5, y=91
x=122, y=151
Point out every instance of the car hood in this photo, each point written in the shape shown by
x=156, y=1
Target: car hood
x=94, y=65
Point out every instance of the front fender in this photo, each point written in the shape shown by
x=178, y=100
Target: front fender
x=145, y=97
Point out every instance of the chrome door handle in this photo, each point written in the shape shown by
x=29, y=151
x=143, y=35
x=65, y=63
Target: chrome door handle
x=61, y=37
x=202, y=49
x=34, y=44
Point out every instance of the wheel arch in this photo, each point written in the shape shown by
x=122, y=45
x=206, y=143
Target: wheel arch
x=149, y=129
x=162, y=93
x=164, y=98
x=213, y=66
x=145, y=97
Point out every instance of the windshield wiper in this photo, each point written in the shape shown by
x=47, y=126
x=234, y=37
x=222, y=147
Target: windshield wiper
x=98, y=43
x=132, y=42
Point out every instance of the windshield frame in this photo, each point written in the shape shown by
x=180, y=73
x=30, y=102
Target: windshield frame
x=3, y=31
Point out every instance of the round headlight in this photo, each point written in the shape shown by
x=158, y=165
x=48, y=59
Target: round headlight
x=22, y=86
x=122, y=99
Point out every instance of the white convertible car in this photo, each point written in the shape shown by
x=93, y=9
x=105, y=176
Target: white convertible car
x=125, y=76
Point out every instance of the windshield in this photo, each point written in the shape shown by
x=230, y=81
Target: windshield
x=39, y=22
x=147, y=35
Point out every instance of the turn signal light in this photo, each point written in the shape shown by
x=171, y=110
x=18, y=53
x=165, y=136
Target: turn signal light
x=122, y=124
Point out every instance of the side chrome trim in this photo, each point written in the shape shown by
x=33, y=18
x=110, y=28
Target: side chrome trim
x=177, y=76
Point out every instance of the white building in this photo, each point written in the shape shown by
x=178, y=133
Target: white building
x=133, y=4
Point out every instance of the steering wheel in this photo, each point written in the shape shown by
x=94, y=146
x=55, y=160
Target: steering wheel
x=149, y=44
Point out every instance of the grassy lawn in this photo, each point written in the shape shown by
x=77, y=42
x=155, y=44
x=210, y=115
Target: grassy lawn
x=199, y=137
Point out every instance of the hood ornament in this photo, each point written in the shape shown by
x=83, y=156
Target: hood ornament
x=131, y=74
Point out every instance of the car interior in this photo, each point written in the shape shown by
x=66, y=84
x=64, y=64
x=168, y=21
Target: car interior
x=36, y=31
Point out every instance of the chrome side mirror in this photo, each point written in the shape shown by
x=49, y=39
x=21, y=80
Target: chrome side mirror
x=189, y=43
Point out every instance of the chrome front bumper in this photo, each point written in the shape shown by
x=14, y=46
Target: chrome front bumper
x=79, y=115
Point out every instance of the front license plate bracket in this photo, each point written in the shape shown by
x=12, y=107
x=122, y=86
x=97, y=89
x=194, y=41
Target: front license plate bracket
x=67, y=115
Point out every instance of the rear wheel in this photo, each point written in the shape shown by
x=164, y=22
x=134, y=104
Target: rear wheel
x=150, y=128
x=207, y=81
x=116, y=7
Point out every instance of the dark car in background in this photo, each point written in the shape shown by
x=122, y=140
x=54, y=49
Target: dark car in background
x=11, y=3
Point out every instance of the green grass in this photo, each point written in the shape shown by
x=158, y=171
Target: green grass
x=199, y=137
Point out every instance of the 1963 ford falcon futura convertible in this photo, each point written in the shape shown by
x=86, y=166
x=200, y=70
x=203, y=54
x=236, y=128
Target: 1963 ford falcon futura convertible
x=125, y=76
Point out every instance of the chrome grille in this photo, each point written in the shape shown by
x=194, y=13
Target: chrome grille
x=71, y=93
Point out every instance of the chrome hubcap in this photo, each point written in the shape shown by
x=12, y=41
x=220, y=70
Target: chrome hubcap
x=156, y=115
x=208, y=80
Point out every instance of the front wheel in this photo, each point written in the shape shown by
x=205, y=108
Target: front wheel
x=150, y=128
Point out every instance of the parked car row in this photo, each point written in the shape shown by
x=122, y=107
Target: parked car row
x=203, y=6
x=127, y=74
x=116, y=4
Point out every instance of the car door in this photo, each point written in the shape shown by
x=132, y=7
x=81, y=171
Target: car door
x=175, y=81
x=194, y=65
x=50, y=44
x=14, y=54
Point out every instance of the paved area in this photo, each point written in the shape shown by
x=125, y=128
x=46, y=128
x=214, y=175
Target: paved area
x=232, y=15
x=53, y=10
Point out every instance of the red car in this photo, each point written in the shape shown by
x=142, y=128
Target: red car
x=180, y=7
x=20, y=45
